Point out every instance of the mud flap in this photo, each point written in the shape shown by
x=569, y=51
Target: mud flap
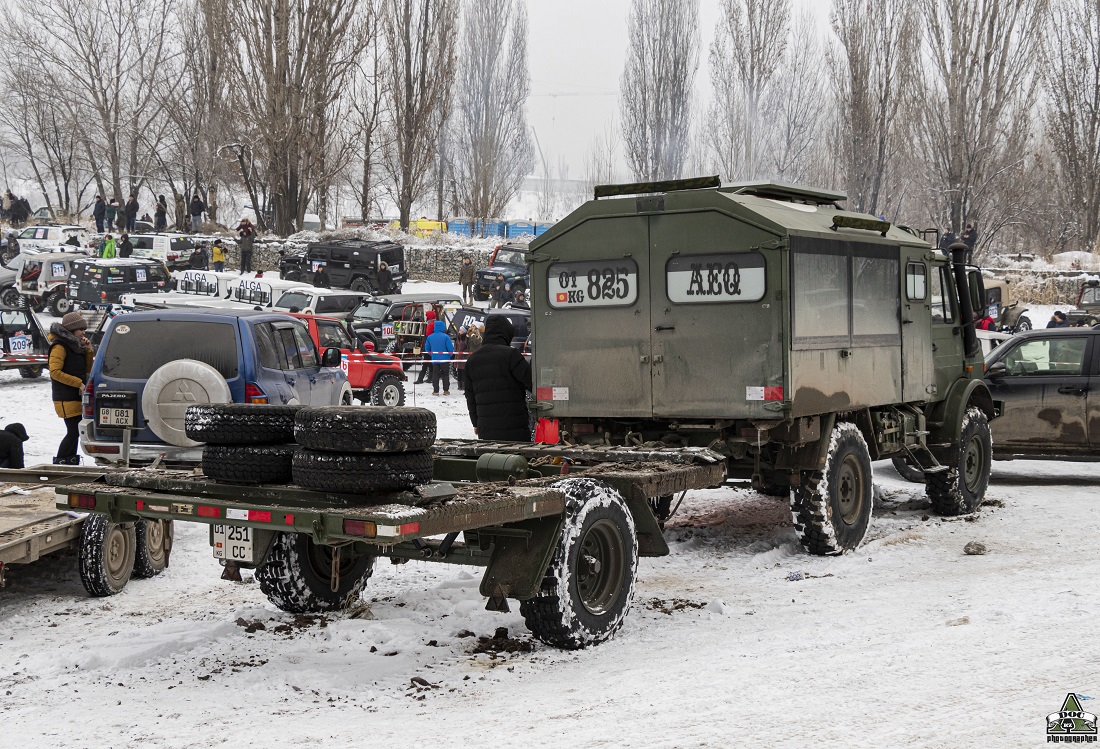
x=521, y=554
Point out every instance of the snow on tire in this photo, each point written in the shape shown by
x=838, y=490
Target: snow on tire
x=106, y=555
x=365, y=429
x=589, y=583
x=296, y=576
x=361, y=472
x=960, y=487
x=153, y=545
x=831, y=508
x=249, y=464
x=240, y=423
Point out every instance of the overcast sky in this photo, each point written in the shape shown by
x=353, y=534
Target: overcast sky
x=576, y=50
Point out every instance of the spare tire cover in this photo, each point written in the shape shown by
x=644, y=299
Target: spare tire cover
x=174, y=387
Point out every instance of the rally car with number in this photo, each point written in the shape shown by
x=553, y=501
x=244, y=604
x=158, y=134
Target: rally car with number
x=24, y=342
x=375, y=379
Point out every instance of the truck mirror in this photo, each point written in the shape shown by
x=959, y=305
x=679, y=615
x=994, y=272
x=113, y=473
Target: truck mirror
x=977, y=293
x=331, y=357
x=996, y=370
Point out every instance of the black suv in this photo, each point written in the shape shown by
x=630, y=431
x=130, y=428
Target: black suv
x=510, y=261
x=103, y=280
x=346, y=264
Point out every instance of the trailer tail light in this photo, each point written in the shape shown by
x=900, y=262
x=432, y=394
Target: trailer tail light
x=359, y=528
x=83, y=501
x=87, y=401
x=206, y=511
x=253, y=394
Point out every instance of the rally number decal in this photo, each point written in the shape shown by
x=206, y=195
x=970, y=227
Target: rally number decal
x=600, y=283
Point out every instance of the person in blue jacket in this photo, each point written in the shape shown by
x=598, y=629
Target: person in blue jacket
x=441, y=348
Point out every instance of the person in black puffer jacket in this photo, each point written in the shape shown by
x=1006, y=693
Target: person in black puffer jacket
x=497, y=381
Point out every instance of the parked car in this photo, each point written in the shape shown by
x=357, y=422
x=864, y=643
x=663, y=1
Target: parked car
x=374, y=320
x=50, y=236
x=21, y=335
x=152, y=365
x=510, y=261
x=375, y=379
x=43, y=281
x=1006, y=311
x=174, y=250
x=103, y=281
x=333, y=302
x=347, y=264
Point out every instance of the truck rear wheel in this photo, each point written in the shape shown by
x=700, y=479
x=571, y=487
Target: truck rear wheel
x=153, y=539
x=106, y=555
x=297, y=576
x=832, y=507
x=959, y=489
x=589, y=583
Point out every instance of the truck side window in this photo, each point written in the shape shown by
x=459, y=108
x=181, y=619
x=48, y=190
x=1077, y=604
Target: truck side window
x=821, y=293
x=916, y=281
x=875, y=302
x=942, y=293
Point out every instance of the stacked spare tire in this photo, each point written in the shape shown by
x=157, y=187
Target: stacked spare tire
x=331, y=448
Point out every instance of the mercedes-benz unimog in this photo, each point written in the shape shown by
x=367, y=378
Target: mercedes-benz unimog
x=761, y=321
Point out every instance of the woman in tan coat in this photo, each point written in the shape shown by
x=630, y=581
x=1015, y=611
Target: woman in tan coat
x=70, y=362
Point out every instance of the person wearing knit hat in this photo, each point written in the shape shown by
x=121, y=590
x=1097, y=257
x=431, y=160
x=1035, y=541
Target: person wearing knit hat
x=70, y=362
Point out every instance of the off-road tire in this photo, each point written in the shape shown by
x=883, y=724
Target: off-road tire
x=1023, y=324
x=907, y=470
x=579, y=603
x=107, y=553
x=58, y=304
x=480, y=296
x=32, y=372
x=249, y=464
x=240, y=423
x=366, y=429
x=359, y=284
x=959, y=489
x=387, y=391
x=361, y=472
x=153, y=539
x=831, y=508
x=296, y=576
x=12, y=298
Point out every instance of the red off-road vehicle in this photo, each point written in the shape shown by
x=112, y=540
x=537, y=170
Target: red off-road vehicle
x=376, y=379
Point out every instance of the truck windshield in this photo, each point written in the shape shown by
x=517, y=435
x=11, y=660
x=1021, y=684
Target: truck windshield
x=297, y=299
x=509, y=257
x=370, y=311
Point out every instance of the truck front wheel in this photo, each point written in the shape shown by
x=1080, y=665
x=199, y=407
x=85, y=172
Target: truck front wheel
x=959, y=488
x=297, y=576
x=589, y=582
x=831, y=508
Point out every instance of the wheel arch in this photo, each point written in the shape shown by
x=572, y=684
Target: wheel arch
x=945, y=419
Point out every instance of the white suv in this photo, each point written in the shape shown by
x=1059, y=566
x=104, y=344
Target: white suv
x=174, y=250
x=49, y=237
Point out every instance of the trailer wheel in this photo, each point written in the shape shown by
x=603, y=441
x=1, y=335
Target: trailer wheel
x=297, y=574
x=589, y=583
x=361, y=472
x=959, y=489
x=248, y=464
x=831, y=508
x=388, y=391
x=240, y=423
x=32, y=372
x=907, y=470
x=153, y=541
x=365, y=429
x=107, y=553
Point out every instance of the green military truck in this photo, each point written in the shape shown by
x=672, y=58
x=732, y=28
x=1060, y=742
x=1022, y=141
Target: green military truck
x=760, y=321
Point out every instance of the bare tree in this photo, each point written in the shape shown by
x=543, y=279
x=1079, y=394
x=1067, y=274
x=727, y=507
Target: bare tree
x=290, y=65
x=368, y=101
x=1073, y=116
x=872, y=72
x=491, y=145
x=420, y=68
x=745, y=56
x=796, y=107
x=657, y=86
x=981, y=82
x=599, y=160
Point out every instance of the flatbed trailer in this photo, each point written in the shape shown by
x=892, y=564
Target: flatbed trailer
x=556, y=529
x=32, y=526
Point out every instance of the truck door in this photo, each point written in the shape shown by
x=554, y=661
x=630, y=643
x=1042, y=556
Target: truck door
x=946, y=332
x=917, y=371
x=596, y=319
x=716, y=345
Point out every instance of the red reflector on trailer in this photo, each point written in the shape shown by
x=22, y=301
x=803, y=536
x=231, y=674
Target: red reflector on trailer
x=141, y=504
x=290, y=520
x=408, y=528
x=260, y=516
x=359, y=528
x=773, y=393
x=205, y=511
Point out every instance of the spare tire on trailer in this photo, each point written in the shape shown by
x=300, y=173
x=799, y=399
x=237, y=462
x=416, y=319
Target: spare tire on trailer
x=172, y=388
x=297, y=575
x=361, y=472
x=240, y=423
x=364, y=429
x=249, y=464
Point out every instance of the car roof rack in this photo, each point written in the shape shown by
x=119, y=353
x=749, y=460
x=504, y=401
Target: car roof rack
x=785, y=191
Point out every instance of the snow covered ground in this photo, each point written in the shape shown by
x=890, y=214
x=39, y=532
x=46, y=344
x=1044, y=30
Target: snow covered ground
x=737, y=638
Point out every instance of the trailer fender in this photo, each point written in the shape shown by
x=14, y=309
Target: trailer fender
x=521, y=554
x=811, y=455
x=946, y=417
